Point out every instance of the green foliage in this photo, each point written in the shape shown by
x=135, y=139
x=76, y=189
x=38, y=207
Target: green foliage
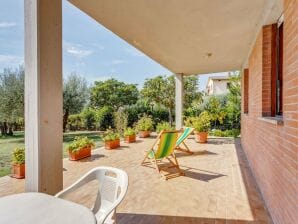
x=75, y=93
x=145, y=124
x=161, y=91
x=18, y=156
x=110, y=135
x=75, y=122
x=11, y=98
x=215, y=106
x=202, y=123
x=89, y=118
x=121, y=120
x=129, y=132
x=227, y=133
x=136, y=111
x=113, y=93
x=104, y=118
x=79, y=143
x=233, y=107
x=164, y=126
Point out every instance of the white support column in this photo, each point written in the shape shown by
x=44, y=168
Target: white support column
x=43, y=95
x=179, y=101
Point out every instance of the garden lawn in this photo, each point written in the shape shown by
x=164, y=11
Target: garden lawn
x=9, y=143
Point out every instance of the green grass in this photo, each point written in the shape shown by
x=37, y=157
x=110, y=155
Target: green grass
x=9, y=143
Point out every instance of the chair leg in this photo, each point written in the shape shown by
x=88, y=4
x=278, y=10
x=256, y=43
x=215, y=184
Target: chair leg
x=187, y=150
x=146, y=157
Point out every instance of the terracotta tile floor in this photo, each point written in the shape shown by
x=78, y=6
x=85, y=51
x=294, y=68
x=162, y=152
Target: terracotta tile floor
x=218, y=186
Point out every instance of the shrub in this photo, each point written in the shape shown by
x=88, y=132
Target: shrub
x=120, y=120
x=18, y=156
x=227, y=133
x=202, y=123
x=89, y=118
x=75, y=122
x=110, y=135
x=104, y=118
x=163, y=126
x=159, y=114
x=129, y=132
x=145, y=124
x=79, y=143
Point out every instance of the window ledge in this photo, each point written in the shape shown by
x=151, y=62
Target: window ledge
x=272, y=120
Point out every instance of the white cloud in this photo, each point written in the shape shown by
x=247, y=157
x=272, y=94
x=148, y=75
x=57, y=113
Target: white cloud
x=11, y=59
x=76, y=50
x=118, y=61
x=7, y=25
x=135, y=52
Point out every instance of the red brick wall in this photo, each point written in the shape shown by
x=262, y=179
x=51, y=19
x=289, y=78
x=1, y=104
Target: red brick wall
x=272, y=149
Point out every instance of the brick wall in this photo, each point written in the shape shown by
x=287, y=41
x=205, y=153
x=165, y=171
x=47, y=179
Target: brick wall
x=271, y=148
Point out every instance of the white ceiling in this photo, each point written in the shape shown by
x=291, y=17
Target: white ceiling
x=187, y=36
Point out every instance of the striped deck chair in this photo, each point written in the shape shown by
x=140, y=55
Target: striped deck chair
x=186, y=132
x=165, y=150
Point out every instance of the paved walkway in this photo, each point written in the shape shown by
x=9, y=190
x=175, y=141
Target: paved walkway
x=218, y=186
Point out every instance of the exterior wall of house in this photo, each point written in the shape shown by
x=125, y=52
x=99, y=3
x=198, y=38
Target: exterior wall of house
x=217, y=87
x=272, y=147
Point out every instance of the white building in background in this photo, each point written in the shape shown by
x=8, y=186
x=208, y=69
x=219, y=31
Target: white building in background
x=217, y=85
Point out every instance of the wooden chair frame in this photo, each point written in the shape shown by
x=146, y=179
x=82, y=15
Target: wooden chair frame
x=156, y=162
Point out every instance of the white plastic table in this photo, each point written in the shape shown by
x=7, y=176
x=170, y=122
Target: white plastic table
x=29, y=208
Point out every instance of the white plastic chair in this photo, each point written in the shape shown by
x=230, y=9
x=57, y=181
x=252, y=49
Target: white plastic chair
x=113, y=184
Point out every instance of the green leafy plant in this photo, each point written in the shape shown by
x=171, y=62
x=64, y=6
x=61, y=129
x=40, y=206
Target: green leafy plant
x=129, y=132
x=79, y=143
x=202, y=123
x=227, y=133
x=120, y=119
x=163, y=126
x=18, y=156
x=110, y=135
x=145, y=124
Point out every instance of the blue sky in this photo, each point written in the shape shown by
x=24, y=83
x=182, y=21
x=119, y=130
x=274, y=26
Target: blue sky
x=88, y=48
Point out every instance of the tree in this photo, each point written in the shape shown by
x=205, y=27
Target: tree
x=233, y=107
x=75, y=95
x=113, y=93
x=12, y=98
x=161, y=91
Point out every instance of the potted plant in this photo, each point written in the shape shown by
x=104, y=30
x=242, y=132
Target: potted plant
x=201, y=125
x=164, y=126
x=111, y=139
x=129, y=135
x=144, y=127
x=18, y=163
x=80, y=148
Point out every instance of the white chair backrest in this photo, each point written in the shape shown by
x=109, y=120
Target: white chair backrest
x=113, y=184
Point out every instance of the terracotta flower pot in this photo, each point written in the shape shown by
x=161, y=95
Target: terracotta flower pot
x=144, y=134
x=202, y=137
x=82, y=153
x=18, y=171
x=112, y=144
x=130, y=138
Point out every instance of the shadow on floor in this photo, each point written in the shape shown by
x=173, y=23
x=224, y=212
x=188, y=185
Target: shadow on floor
x=202, y=176
x=123, y=218
x=92, y=158
x=198, y=153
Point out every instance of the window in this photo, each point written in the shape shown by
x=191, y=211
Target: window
x=279, y=69
x=245, y=90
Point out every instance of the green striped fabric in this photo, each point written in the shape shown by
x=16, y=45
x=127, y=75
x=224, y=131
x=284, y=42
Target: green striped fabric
x=187, y=131
x=166, y=144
